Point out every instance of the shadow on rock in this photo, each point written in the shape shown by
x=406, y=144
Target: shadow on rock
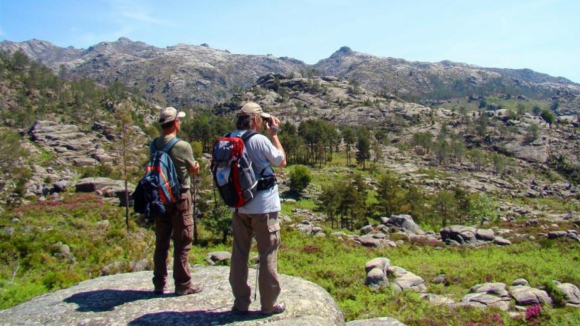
x=106, y=300
x=198, y=317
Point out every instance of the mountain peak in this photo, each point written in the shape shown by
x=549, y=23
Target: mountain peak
x=124, y=40
x=344, y=50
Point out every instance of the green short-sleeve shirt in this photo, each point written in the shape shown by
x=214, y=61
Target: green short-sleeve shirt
x=182, y=156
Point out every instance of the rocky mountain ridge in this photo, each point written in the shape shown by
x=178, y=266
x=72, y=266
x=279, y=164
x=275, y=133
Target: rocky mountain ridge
x=438, y=79
x=192, y=75
x=182, y=75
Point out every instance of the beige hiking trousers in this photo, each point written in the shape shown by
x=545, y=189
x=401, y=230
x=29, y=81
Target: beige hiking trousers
x=266, y=229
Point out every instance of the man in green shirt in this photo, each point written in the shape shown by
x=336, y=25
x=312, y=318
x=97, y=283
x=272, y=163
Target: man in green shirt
x=177, y=224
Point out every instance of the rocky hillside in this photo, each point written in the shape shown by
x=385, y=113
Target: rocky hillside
x=193, y=75
x=424, y=81
x=521, y=154
x=185, y=75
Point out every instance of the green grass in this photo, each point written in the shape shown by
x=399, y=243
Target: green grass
x=335, y=265
x=561, y=205
x=45, y=157
x=339, y=268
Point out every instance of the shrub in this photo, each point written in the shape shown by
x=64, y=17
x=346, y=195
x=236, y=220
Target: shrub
x=533, y=311
x=15, y=294
x=300, y=178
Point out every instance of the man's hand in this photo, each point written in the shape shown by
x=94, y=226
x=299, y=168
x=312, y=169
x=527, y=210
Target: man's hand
x=194, y=169
x=272, y=127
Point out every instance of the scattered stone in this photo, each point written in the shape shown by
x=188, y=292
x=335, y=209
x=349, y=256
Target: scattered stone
x=526, y=295
x=487, y=300
x=381, y=263
x=501, y=241
x=369, y=241
x=376, y=278
x=286, y=219
x=340, y=235
x=8, y=230
x=485, y=235
x=436, y=299
x=141, y=265
x=490, y=288
x=315, y=230
x=520, y=281
x=459, y=233
x=94, y=184
x=218, y=258
x=571, y=292
x=60, y=186
x=64, y=250
x=557, y=234
x=439, y=279
x=366, y=229
x=112, y=268
x=304, y=227
x=532, y=222
x=404, y=222
x=406, y=280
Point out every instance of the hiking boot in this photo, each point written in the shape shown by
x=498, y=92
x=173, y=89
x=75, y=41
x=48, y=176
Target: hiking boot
x=192, y=289
x=159, y=290
x=237, y=311
x=277, y=309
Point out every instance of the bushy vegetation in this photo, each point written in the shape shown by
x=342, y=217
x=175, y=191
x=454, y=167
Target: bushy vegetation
x=57, y=244
x=33, y=261
x=300, y=178
x=12, y=163
x=351, y=200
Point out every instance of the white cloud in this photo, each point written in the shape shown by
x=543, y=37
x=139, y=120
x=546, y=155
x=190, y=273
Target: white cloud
x=136, y=12
x=144, y=17
x=121, y=18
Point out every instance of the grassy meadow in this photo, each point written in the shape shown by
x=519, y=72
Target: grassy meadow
x=32, y=261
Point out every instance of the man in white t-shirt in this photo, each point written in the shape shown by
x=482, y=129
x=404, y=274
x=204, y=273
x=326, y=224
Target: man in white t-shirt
x=258, y=218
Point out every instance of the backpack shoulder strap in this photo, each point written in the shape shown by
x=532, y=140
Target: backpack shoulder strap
x=247, y=135
x=153, y=146
x=170, y=145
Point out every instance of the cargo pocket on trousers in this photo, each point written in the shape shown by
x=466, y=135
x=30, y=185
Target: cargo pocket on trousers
x=183, y=224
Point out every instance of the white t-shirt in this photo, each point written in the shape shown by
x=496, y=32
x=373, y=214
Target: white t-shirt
x=263, y=154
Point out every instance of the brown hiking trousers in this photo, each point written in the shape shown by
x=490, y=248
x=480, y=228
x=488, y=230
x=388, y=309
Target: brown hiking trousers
x=266, y=229
x=177, y=224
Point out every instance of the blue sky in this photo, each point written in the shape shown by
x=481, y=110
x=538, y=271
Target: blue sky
x=542, y=35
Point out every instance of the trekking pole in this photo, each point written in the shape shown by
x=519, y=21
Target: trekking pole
x=194, y=209
x=257, y=273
